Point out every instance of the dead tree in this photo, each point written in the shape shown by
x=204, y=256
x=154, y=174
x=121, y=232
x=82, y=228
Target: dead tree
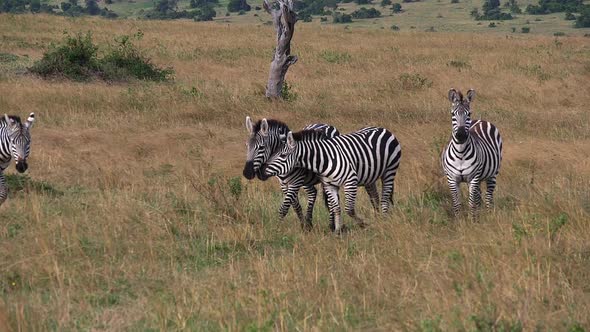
x=284, y=19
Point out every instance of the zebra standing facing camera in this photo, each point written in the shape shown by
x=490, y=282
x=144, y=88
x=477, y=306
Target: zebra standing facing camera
x=15, y=143
x=473, y=154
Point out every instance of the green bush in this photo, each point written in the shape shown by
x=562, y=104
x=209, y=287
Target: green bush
x=583, y=21
x=525, y=30
x=126, y=61
x=341, y=18
x=366, y=13
x=77, y=59
x=396, y=8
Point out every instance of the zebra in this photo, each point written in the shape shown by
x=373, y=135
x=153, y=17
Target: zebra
x=266, y=136
x=15, y=142
x=356, y=159
x=473, y=155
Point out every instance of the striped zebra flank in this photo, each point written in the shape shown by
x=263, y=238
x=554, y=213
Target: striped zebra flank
x=473, y=155
x=356, y=159
x=15, y=143
x=268, y=136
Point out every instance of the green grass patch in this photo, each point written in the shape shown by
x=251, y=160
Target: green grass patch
x=23, y=183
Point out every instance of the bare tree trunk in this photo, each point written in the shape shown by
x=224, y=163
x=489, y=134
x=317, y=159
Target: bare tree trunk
x=284, y=19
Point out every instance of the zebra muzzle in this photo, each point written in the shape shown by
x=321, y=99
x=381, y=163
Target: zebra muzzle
x=249, y=170
x=21, y=166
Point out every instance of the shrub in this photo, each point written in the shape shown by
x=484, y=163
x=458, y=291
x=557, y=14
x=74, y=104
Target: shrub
x=454, y=1
x=77, y=59
x=570, y=17
x=394, y=28
x=202, y=3
x=385, y=3
x=525, y=30
x=238, y=5
x=583, y=21
x=366, y=13
x=287, y=92
x=414, y=81
x=492, y=25
x=396, y=8
x=559, y=34
x=341, y=18
x=125, y=61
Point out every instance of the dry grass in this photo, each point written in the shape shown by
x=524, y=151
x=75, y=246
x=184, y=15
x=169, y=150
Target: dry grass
x=130, y=222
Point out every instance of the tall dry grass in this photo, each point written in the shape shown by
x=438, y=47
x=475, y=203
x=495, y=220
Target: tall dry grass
x=134, y=216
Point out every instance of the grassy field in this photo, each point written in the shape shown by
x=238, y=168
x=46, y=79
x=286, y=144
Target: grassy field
x=427, y=15
x=134, y=216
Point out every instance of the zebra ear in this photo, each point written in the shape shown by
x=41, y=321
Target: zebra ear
x=470, y=95
x=249, y=125
x=290, y=140
x=30, y=120
x=264, y=127
x=454, y=96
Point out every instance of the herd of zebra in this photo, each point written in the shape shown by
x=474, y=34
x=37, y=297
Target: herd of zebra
x=319, y=154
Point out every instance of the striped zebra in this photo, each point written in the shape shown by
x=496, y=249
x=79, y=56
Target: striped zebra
x=349, y=161
x=267, y=136
x=15, y=142
x=473, y=154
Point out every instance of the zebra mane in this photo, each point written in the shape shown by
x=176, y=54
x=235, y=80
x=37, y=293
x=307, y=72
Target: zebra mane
x=460, y=94
x=16, y=118
x=273, y=125
x=310, y=135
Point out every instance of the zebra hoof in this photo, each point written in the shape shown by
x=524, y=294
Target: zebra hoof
x=343, y=230
x=307, y=227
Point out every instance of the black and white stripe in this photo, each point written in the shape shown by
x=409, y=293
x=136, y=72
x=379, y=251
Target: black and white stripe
x=473, y=154
x=349, y=161
x=15, y=143
x=266, y=137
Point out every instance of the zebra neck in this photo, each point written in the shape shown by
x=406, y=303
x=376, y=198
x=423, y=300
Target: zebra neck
x=462, y=149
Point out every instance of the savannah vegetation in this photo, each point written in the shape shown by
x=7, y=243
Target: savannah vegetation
x=133, y=214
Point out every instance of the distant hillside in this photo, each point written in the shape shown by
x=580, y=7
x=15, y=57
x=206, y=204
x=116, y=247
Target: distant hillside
x=404, y=15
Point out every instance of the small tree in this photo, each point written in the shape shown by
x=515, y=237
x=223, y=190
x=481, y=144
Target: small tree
x=238, y=5
x=396, y=8
x=583, y=21
x=385, y=3
x=92, y=7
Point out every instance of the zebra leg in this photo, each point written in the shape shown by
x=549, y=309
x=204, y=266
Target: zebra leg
x=332, y=193
x=474, y=197
x=490, y=187
x=388, y=184
x=350, y=190
x=325, y=195
x=3, y=188
x=290, y=198
x=312, y=194
x=455, y=195
x=373, y=195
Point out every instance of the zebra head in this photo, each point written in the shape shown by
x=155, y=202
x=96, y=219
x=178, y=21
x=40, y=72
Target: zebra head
x=19, y=138
x=461, y=114
x=266, y=136
x=284, y=160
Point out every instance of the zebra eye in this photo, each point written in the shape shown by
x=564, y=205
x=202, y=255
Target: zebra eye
x=283, y=155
